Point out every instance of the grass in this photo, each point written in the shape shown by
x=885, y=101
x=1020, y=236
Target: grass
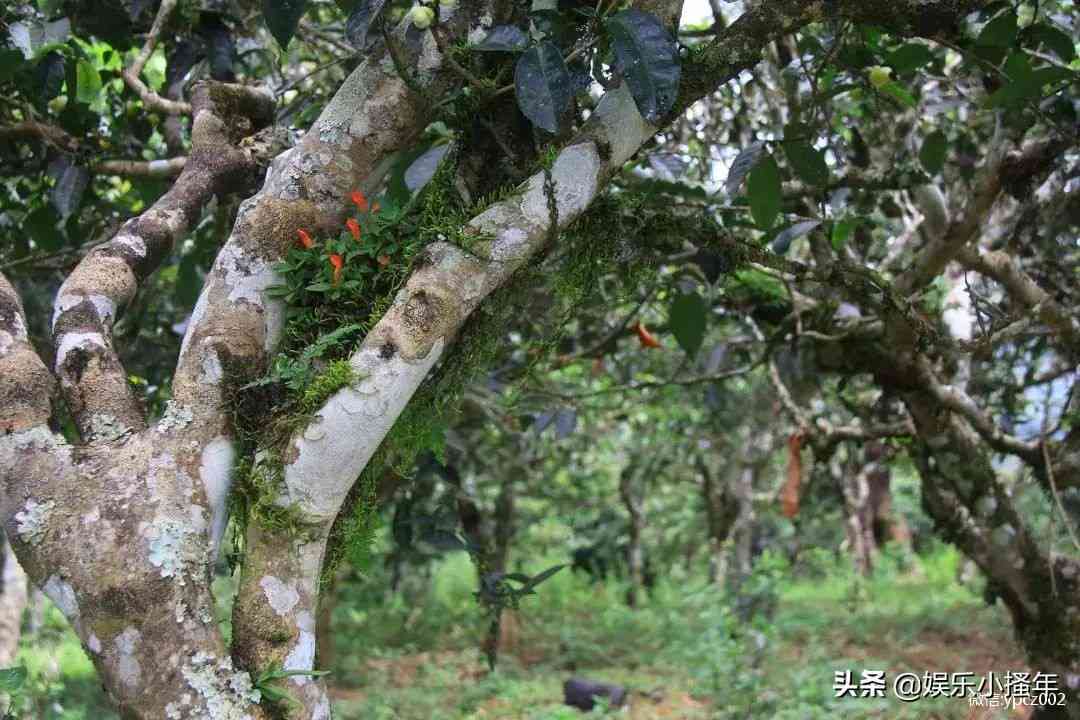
x=413, y=655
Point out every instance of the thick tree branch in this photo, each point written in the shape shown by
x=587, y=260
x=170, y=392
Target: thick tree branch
x=91, y=376
x=26, y=386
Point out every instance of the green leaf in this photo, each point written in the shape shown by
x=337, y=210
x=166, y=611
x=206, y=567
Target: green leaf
x=647, y=58
x=188, y=282
x=933, y=151
x=764, y=190
x=899, y=94
x=503, y=38
x=363, y=15
x=1053, y=38
x=809, y=164
x=743, y=164
x=541, y=577
x=907, y=58
x=12, y=679
x=689, y=316
x=88, y=82
x=282, y=17
x=42, y=226
x=11, y=62
x=999, y=32
x=842, y=230
x=542, y=85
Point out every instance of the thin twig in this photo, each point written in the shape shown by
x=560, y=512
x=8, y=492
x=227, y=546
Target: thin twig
x=131, y=74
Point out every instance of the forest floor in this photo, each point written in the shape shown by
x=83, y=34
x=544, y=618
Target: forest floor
x=682, y=654
x=913, y=620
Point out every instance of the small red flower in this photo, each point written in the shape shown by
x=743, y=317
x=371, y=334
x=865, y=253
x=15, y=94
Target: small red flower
x=358, y=197
x=337, y=262
x=354, y=228
x=383, y=260
x=305, y=240
x=646, y=338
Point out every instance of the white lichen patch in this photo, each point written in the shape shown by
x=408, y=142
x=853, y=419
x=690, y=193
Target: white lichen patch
x=33, y=519
x=7, y=341
x=77, y=340
x=63, y=596
x=93, y=644
x=226, y=693
x=106, y=427
x=215, y=471
x=302, y=656
x=126, y=665
x=281, y=596
x=171, y=546
x=176, y=417
x=134, y=243
x=104, y=306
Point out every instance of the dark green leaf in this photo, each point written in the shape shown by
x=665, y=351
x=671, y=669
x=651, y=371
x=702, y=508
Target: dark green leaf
x=999, y=32
x=70, y=183
x=809, y=164
x=363, y=16
x=542, y=84
x=41, y=224
x=541, y=577
x=647, y=58
x=49, y=75
x=783, y=241
x=744, y=162
x=12, y=679
x=933, y=151
x=282, y=17
x=188, y=283
x=764, y=189
x=503, y=38
x=689, y=317
x=909, y=57
x=1054, y=38
x=11, y=62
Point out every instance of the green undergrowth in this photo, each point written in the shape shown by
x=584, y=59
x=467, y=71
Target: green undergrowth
x=685, y=652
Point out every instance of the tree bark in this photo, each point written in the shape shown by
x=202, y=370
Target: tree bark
x=13, y=600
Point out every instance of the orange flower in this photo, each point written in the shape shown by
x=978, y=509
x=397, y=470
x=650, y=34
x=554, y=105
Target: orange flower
x=338, y=262
x=383, y=260
x=358, y=197
x=354, y=228
x=305, y=240
x=646, y=338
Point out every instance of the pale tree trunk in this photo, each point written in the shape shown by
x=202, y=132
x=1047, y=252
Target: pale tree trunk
x=721, y=513
x=633, y=498
x=154, y=498
x=13, y=598
x=859, y=526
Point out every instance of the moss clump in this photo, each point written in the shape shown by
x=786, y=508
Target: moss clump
x=255, y=495
x=337, y=375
